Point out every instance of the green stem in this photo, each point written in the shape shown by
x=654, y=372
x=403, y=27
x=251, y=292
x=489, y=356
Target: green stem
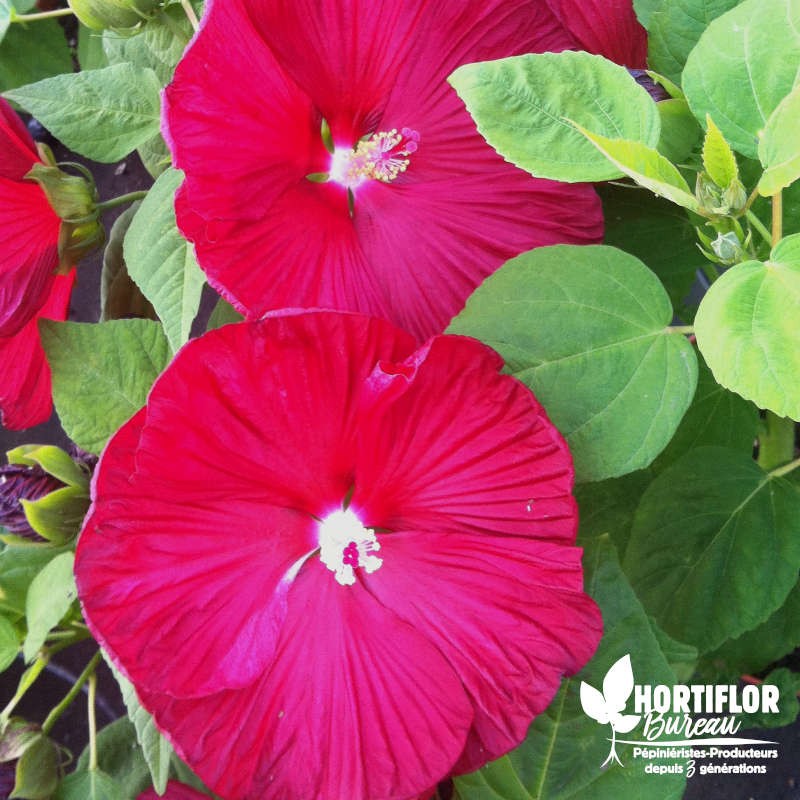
x=687, y=329
x=191, y=16
x=54, y=715
x=131, y=197
x=777, y=218
x=58, y=12
x=776, y=445
x=92, y=722
x=25, y=682
x=756, y=223
x=785, y=469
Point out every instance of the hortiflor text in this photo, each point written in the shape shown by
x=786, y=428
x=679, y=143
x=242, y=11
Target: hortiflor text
x=706, y=699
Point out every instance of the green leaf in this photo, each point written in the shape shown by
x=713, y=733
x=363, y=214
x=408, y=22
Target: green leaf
x=162, y=262
x=744, y=64
x=19, y=565
x=522, y=106
x=156, y=749
x=6, y=10
x=680, y=132
x=37, y=771
x=158, y=46
x=51, y=459
x=788, y=683
x=718, y=158
x=560, y=758
x=90, y=49
x=32, y=51
x=119, y=755
x=155, y=155
x=586, y=329
x=58, y=516
x=715, y=546
x=223, y=314
x=682, y=658
x=90, y=785
x=747, y=329
x=645, y=9
x=647, y=167
x=120, y=297
x=9, y=644
x=676, y=27
x=49, y=597
x=778, y=149
x=102, y=373
x=756, y=649
x=638, y=222
x=102, y=114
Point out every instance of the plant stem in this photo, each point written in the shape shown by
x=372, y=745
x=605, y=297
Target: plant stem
x=187, y=7
x=687, y=329
x=131, y=197
x=92, y=721
x=58, y=12
x=777, y=218
x=756, y=223
x=26, y=681
x=87, y=673
x=776, y=445
x=785, y=469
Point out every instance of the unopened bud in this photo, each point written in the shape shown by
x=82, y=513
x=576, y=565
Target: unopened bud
x=101, y=14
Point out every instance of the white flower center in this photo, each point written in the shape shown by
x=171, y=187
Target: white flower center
x=381, y=157
x=345, y=544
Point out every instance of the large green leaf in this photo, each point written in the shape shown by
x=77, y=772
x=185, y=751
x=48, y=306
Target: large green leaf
x=89, y=785
x=756, y=649
x=587, y=329
x=102, y=114
x=715, y=546
x=639, y=223
x=9, y=643
x=779, y=148
x=744, y=64
x=49, y=597
x=32, y=51
x=560, y=758
x=645, y=9
x=102, y=373
x=522, y=106
x=19, y=565
x=156, y=749
x=747, y=329
x=676, y=27
x=162, y=262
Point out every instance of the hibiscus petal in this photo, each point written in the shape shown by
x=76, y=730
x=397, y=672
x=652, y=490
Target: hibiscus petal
x=606, y=27
x=25, y=387
x=18, y=153
x=30, y=253
x=174, y=791
x=357, y=704
x=449, y=443
x=512, y=641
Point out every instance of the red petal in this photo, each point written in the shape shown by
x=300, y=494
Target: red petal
x=29, y=254
x=606, y=27
x=25, y=390
x=508, y=613
x=17, y=149
x=357, y=705
x=174, y=791
x=448, y=443
x=207, y=552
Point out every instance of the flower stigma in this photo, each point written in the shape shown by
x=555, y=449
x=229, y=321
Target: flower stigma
x=381, y=156
x=345, y=544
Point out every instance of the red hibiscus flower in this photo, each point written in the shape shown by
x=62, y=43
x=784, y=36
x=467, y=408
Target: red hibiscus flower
x=335, y=565
x=175, y=791
x=29, y=287
x=414, y=209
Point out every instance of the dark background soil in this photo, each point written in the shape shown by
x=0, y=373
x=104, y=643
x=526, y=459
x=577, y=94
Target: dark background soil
x=782, y=781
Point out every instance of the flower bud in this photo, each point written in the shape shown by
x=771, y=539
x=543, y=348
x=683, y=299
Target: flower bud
x=728, y=249
x=74, y=199
x=100, y=14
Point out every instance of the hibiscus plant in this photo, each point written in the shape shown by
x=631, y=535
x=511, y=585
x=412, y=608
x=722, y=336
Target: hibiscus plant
x=447, y=369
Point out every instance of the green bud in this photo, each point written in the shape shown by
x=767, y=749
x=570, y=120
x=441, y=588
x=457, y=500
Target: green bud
x=101, y=14
x=74, y=199
x=728, y=249
x=718, y=202
x=37, y=772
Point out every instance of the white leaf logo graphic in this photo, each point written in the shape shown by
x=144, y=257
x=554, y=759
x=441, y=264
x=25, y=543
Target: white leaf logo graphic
x=606, y=708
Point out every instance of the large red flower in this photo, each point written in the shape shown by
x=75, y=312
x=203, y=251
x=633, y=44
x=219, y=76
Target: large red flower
x=174, y=791
x=335, y=565
x=418, y=209
x=29, y=287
